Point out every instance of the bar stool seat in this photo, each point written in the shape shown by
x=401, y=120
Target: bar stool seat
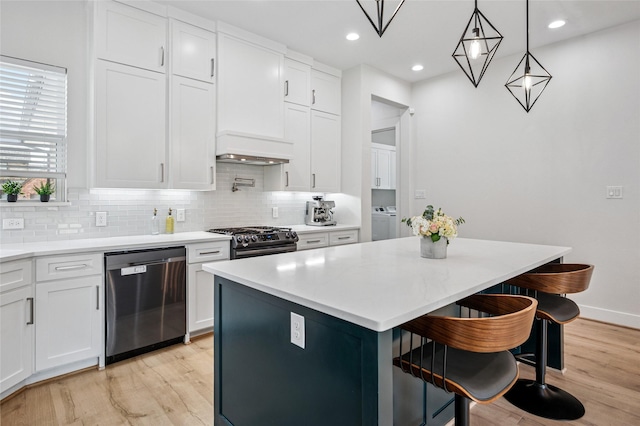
x=470, y=356
x=549, y=282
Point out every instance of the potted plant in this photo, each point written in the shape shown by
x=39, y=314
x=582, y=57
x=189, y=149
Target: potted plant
x=45, y=190
x=12, y=189
x=436, y=230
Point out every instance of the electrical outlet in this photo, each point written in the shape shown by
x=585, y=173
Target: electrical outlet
x=274, y=212
x=15, y=223
x=614, y=192
x=180, y=215
x=101, y=218
x=297, y=330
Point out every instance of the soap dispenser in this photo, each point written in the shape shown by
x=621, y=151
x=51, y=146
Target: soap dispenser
x=169, y=223
x=155, y=228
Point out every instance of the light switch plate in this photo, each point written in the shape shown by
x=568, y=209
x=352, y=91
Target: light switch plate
x=274, y=212
x=180, y=215
x=297, y=330
x=614, y=192
x=420, y=194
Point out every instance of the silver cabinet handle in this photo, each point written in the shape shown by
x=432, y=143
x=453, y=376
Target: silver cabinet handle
x=313, y=97
x=71, y=268
x=162, y=56
x=343, y=238
x=286, y=174
x=213, y=176
x=97, y=298
x=314, y=180
x=313, y=241
x=30, y=300
x=213, y=66
x=286, y=88
x=161, y=172
x=204, y=253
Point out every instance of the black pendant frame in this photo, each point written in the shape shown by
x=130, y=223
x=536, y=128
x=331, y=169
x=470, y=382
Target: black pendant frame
x=489, y=38
x=530, y=68
x=380, y=27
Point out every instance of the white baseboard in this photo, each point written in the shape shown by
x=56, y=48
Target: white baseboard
x=613, y=317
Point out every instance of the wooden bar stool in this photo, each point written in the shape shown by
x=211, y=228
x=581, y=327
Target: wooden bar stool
x=470, y=356
x=549, y=282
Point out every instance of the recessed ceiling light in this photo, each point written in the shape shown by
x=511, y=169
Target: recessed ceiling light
x=353, y=36
x=417, y=67
x=557, y=24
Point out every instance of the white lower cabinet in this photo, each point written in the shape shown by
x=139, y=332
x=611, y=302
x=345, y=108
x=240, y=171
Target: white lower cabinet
x=325, y=239
x=200, y=283
x=68, y=309
x=68, y=321
x=16, y=336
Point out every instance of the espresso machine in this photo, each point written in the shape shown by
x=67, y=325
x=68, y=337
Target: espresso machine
x=319, y=212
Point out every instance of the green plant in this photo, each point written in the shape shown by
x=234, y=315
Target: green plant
x=12, y=187
x=45, y=188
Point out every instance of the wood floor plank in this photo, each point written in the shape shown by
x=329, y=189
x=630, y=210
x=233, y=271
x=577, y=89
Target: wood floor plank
x=174, y=386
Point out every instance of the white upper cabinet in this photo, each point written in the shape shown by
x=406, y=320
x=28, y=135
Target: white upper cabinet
x=193, y=52
x=325, y=152
x=130, y=127
x=193, y=156
x=130, y=36
x=250, y=87
x=325, y=92
x=382, y=166
x=297, y=84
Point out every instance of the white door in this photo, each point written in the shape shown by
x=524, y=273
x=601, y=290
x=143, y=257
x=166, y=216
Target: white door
x=68, y=321
x=192, y=134
x=201, y=290
x=325, y=152
x=131, y=36
x=297, y=174
x=130, y=127
x=16, y=336
x=193, y=52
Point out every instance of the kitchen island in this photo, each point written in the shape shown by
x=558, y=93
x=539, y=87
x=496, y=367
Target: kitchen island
x=351, y=298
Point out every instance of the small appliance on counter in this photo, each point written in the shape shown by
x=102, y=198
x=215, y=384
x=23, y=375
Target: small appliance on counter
x=319, y=212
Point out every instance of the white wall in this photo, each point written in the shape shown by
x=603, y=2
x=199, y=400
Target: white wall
x=540, y=177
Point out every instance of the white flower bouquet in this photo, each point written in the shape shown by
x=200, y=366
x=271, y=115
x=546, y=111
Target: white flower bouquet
x=434, y=224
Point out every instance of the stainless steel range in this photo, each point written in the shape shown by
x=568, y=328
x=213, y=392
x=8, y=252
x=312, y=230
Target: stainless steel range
x=253, y=241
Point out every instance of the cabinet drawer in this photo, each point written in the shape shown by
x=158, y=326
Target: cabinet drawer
x=343, y=237
x=208, y=252
x=311, y=241
x=15, y=274
x=59, y=267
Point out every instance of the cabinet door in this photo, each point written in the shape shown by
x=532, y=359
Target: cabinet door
x=193, y=52
x=325, y=92
x=130, y=127
x=193, y=148
x=200, y=284
x=250, y=88
x=314, y=240
x=131, y=36
x=325, y=152
x=298, y=129
x=392, y=170
x=68, y=321
x=297, y=84
x=384, y=168
x=16, y=335
x=374, y=168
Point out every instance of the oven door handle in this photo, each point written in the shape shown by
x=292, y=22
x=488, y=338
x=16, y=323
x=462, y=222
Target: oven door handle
x=239, y=254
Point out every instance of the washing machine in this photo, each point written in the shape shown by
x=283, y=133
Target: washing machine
x=383, y=222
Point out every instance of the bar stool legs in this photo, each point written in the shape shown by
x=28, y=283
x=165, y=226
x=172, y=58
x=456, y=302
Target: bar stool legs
x=542, y=399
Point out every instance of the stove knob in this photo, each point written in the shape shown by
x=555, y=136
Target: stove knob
x=239, y=238
x=254, y=238
x=246, y=238
x=293, y=234
x=287, y=235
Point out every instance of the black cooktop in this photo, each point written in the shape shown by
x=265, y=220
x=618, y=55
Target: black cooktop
x=251, y=230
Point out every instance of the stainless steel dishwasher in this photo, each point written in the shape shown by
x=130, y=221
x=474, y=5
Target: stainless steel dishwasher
x=145, y=301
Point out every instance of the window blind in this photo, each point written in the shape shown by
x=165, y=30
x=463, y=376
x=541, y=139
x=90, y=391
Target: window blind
x=33, y=119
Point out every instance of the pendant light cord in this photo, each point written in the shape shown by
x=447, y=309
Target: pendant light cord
x=527, y=14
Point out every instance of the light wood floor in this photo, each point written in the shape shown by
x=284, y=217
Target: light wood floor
x=174, y=386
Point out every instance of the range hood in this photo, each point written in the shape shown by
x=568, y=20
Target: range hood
x=247, y=148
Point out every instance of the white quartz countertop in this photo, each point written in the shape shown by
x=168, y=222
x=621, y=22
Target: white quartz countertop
x=18, y=251
x=380, y=285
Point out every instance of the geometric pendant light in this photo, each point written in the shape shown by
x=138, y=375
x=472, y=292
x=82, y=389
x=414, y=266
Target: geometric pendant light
x=529, y=79
x=477, y=46
x=380, y=27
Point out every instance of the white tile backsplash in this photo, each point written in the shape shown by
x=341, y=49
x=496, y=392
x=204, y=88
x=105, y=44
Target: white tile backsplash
x=129, y=212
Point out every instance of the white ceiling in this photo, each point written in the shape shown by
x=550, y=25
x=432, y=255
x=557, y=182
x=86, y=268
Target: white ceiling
x=423, y=31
